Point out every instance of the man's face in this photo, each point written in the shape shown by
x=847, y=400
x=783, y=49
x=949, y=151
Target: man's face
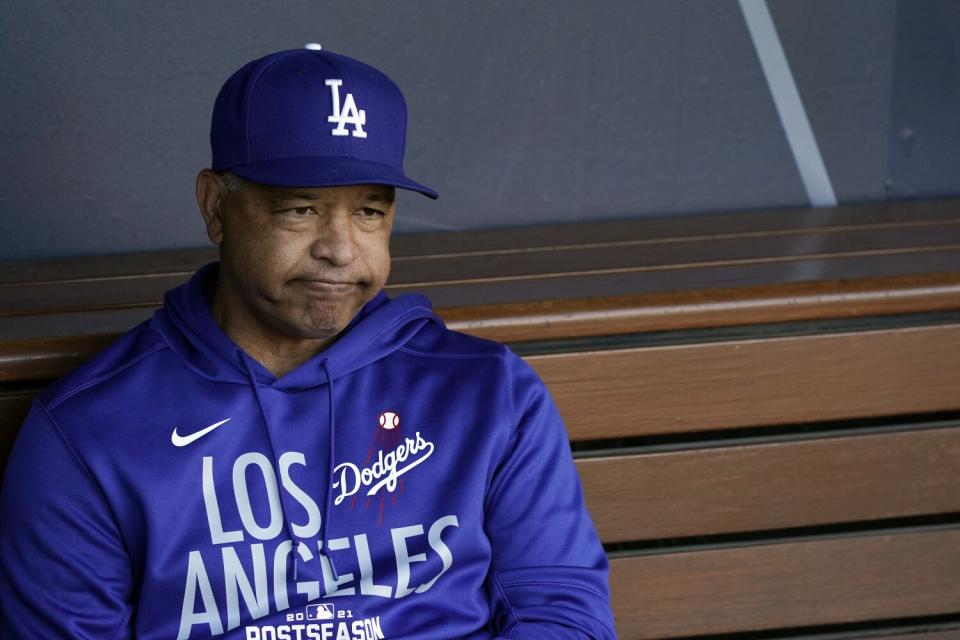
x=302, y=261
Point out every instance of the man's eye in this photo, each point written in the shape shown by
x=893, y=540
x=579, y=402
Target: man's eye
x=370, y=212
x=298, y=211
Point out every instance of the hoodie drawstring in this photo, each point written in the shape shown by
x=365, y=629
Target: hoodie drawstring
x=327, y=510
x=295, y=549
x=328, y=499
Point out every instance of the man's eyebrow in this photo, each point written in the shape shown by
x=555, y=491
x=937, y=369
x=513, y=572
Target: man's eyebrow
x=282, y=196
x=381, y=196
x=292, y=194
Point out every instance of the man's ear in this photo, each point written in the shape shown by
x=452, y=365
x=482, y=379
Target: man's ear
x=210, y=195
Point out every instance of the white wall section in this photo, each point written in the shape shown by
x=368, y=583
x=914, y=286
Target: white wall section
x=793, y=117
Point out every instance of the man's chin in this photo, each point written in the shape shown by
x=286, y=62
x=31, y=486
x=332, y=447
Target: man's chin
x=316, y=331
x=316, y=320
x=320, y=327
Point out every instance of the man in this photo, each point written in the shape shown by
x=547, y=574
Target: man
x=282, y=451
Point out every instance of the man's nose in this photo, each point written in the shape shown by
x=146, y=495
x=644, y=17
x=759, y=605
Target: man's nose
x=335, y=241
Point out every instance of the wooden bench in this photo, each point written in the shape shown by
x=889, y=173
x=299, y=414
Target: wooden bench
x=764, y=407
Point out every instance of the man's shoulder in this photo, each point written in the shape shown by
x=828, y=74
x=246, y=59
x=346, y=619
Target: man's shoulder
x=438, y=341
x=131, y=348
x=473, y=357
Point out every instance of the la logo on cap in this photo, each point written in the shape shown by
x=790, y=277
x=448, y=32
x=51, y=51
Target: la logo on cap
x=349, y=115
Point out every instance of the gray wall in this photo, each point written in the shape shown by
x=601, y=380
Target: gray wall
x=521, y=112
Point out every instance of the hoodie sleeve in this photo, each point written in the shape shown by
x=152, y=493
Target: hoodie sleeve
x=549, y=576
x=64, y=572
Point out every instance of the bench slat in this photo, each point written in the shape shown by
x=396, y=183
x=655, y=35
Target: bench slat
x=763, y=223
x=723, y=307
x=43, y=358
x=704, y=276
x=773, y=486
x=642, y=254
x=791, y=584
x=120, y=265
x=682, y=388
x=701, y=386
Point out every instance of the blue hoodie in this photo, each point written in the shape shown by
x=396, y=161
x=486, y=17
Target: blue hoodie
x=407, y=482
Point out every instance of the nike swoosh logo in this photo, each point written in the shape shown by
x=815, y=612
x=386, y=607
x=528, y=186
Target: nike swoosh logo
x=182, y=441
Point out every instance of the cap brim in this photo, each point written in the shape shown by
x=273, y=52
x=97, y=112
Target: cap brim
x=326, y=172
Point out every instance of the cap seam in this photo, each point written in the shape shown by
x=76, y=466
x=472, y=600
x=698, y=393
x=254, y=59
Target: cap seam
x=248, y=95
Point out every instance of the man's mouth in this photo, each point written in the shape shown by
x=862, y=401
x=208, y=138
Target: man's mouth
x=327, y=285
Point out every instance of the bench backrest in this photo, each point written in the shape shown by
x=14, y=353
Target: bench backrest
x=764, y=407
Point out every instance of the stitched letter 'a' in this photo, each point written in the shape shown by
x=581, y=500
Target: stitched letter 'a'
x=348, y=115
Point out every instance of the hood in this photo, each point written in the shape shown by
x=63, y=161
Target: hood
x=380, y=327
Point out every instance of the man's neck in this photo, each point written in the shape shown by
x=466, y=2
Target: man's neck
x=277, y=352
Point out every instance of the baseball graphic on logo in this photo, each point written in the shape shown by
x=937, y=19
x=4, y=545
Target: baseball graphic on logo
x=389, y=420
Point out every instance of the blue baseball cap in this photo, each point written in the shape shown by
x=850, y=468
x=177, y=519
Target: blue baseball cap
x=311, y=118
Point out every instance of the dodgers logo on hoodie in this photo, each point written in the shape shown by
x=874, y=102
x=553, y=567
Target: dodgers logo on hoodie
x=395, y=456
